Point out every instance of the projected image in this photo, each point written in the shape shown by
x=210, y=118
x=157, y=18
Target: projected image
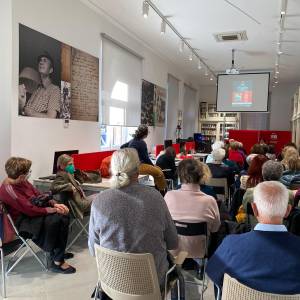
x=242, y=94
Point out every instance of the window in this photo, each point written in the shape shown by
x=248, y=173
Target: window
x=120, y=102
x=116, y=115
x=112, y=137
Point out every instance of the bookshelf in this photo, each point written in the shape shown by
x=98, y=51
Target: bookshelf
x=214, y=125
x=295, y=121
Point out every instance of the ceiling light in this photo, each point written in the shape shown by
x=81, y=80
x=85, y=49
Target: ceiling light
x=191, y=56
x=145, y=9
x=279, y=52
x=199, y=65
x=206, y=72
x=277, y=72
x=181, y=45
x=163, y=26
x=211, y=78
x=283, y=7
x=278, y=43
x=274, y=86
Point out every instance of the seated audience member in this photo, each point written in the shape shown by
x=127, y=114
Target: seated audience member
x=131, y=217
x=270, y=154
x=229, y=163
x=65, y=182
x=255, y=150
x=287, y=153
x=286, y=146
x=254, y=176
x=264, y=259
x=146, y=166
x=36, y=216
x=271, y=171
x=105, y=167
x=218, y=169
x=166, y=161
x=291, y=177
x=235, y=155
x=214, y=146
x=190, y=204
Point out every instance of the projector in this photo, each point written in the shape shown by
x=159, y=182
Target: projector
x=232, y=72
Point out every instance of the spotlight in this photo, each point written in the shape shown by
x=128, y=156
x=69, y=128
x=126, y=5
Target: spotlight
x=191, y=56
x=206, y=72
x=145, y=9
x=211, y=78
x=277, y=72
x=279, y=52
x=163, y=26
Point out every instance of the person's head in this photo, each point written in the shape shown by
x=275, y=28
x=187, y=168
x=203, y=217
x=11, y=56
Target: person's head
x=255, y=170
x=191, y=171
x=218, y=155
x=293, y=163
x=272, y=170
x=18, y=168
x=124, y=167
x=217, y=145
x=170, y=152
x=234, y=145
x=141, y=132
x=270, y=204
x=45, y=64
x=65, y=163
x=206, y=173
x=271, y=149
x=257, y=149
x=287, y=154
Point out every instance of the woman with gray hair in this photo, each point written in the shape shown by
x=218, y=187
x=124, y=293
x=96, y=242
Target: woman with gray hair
x=131, y=217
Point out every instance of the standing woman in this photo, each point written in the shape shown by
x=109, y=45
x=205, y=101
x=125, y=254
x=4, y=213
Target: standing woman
x=146, y=167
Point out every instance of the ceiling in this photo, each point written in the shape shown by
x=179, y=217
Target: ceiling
x=198, y=20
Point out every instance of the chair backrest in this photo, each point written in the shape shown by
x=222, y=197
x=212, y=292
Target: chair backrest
x=194, y=229
x=234, y=290
x=127, y=276
x=219, y=183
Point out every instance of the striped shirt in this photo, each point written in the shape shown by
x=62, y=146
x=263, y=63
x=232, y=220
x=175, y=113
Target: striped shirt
x=44, y=99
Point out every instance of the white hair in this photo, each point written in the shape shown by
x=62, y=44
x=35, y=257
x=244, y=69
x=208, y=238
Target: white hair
x=271, y=198
x=218, y=155
x=217, y=145
x=124, y=164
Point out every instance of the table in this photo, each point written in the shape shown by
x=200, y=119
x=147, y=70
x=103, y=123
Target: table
x=43, y=185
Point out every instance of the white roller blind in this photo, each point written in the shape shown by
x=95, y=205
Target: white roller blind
x=172, y=107
x=121, y=85
x=189, y=111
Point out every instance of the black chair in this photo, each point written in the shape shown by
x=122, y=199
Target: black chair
x=199, y=230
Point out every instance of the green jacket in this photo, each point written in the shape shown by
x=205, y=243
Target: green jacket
x=64, y=183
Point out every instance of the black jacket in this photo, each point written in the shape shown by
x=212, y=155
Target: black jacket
x=167, y=162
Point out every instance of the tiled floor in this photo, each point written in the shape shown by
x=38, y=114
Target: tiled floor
x=29, y=282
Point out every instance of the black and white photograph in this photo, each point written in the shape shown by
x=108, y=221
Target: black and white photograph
x=159, y=106
x=55, y=79
x=65, y=112
x=147, y=112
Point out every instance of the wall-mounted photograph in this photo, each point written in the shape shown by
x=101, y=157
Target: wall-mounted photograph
x=153, y=112
x=55, y=79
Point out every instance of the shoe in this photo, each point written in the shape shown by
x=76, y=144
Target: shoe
x=68, y=255
x=58, y=269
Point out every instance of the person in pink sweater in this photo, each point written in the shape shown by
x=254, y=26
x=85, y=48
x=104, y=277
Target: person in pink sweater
x=189, y=204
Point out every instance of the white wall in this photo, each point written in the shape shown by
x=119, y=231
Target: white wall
x=5, y=82
x=71, y=22
x=281, y=106
x=208, y=93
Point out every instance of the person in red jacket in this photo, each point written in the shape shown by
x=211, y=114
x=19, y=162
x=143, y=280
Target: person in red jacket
x=37, y=216
x=235, y=155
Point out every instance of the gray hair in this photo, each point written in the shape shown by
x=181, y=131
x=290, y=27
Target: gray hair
x=124, y=164
x=218, y=155
x=271, y=198
x=217, y=145
x=272, y=170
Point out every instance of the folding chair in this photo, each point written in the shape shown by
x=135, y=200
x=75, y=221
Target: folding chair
x=24, y=244
x=128, y=276
x=220, y=184
x=170, y=182
x=77, y=221
x=64, y=197
x=196, y=230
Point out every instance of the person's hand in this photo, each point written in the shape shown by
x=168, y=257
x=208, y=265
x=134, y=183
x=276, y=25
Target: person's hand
x=74, y=190
x=61, y=209
x=51, y=210
x=22, y=97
